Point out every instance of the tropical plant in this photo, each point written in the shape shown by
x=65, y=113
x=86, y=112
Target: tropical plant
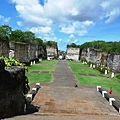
x=9, y=62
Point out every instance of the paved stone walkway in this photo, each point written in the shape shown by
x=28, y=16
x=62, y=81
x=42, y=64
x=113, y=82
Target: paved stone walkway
x=61, y=100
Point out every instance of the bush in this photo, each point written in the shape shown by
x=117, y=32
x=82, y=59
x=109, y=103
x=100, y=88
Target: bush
x=83, y=59
x=11, y=62
x=118, y=76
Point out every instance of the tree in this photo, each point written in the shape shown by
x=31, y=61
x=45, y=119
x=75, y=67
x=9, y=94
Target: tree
x=110, y=47
x=73, y=45
x=28, y=37
x=51, y=43
x=39, y=41
x=17, y=36
x=5, y=31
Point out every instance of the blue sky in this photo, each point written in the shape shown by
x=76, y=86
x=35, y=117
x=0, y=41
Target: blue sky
x=64, y=21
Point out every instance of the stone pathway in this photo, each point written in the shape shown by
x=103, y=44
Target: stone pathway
x=61, y=100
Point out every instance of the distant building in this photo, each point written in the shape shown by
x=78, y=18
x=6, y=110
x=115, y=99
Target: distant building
x=73, y=53
x=61, y=54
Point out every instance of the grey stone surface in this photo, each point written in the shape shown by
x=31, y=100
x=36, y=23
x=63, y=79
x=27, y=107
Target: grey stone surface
x=113, y=62
x=12, y=82
x=4, y=47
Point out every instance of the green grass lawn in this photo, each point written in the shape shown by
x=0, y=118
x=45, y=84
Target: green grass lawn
x=78, y=67
x=37, y=77
x=42, y=66
x=105, y=82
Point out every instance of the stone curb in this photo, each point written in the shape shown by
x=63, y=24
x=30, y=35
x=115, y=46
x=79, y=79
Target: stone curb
x=110, y=99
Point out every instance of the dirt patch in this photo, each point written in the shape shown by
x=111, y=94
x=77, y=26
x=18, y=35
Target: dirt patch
x=82, y=74
x=80, y=101
x=45, y=72
x=34, y=71
x=92, y=74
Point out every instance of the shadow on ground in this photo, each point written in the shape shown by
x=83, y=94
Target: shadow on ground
x=31, y=109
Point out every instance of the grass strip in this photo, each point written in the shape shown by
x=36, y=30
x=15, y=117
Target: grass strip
x=39, y=67
x=105, y=82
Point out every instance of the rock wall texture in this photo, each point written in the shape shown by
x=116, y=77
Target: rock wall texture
x=73, y=53
x=91, y=55
x=4, y=47
x=12, y=82
x=96, y=56
x=52, y=51
x=25, y=52
x=113, y=62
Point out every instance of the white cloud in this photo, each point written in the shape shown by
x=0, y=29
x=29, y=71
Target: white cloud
x=4, y=20
x=114, y=14
x=71, y=17
x=41, y=30
x=46, y=33
x=88, y=23
x=75, y=41
x=19, y=23
x=76, y=28
x=64, y=12
x=55, y=11
x=67, y=30
x=50, y=37
x=71, y=36
x=32, y=12
x=74, y=12
x=111, y=10
x=82, y=32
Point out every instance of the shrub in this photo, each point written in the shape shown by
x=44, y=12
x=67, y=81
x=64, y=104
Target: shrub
x=83, y=59
x=11, y=62
x=118, y=76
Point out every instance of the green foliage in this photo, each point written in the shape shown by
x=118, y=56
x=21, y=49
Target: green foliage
x=39, y=41
x=17, y=36
x=118, y=76
x=102, y=70
x=28, y=37
x=89, y=63
x=51, y=43
x=20, y=36
x=110, y=47
x=83, y=59
x=11, y=62
x=5, y=32
x=73, y=45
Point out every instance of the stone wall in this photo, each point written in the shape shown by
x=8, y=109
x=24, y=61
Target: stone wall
x=4, y=47
x=91, y=55
x=94, y=55
x=25, y=52
x=52, y=52
x=33, y=51
x=73, y=53
x=41, y=50
x=113, y=62
x=12, y=82
x=21, y=52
